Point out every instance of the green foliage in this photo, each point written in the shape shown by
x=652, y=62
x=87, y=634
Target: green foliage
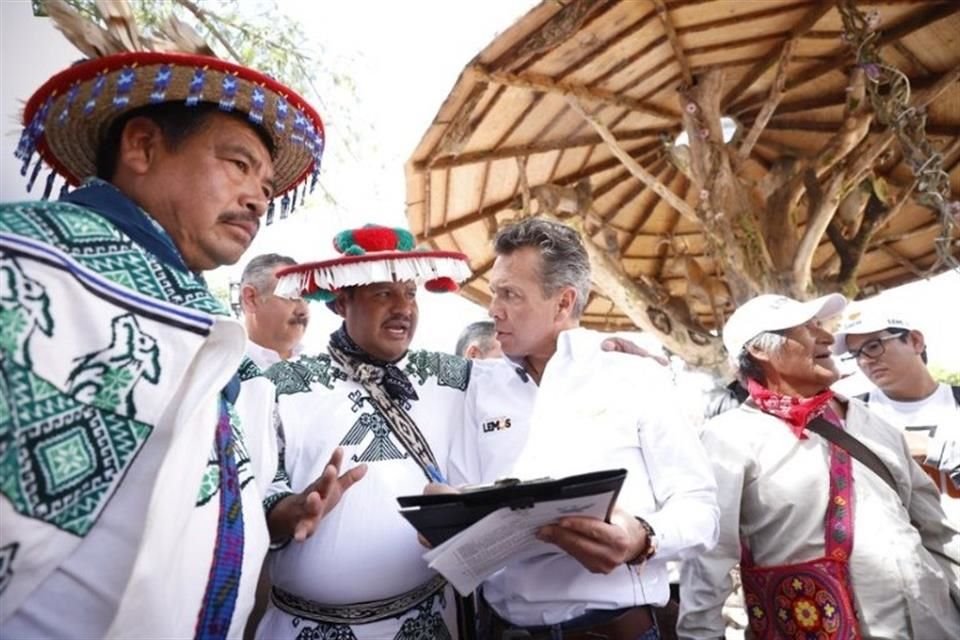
x=261, y=35
x=941, y=374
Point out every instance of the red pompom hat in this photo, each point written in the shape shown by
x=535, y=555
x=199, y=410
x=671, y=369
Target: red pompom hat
x=369, y=255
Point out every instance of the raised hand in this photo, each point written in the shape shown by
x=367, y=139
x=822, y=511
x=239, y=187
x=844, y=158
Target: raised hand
x=626, y=346
x=299, y=515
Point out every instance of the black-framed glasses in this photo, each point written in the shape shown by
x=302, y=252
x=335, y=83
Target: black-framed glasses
x=873, y=348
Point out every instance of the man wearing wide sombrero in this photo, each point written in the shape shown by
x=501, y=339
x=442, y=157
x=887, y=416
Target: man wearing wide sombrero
x=385, y=410
x=130, y=489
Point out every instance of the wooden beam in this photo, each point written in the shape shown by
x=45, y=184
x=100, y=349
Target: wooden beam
x=903, y=262
x=459, y=129
x=805, y=23
x=907, y=26
x=478, y=273
x=776, y=93
x=946, y=130
x=607, y=44
x=664, y=14
x=637, y=190
x=494, y=207
x=634, y=167
x=537, y=82
x=553, y=32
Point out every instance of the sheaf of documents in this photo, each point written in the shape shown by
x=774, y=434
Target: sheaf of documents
x=479, y=551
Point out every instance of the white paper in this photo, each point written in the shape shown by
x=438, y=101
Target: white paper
x=505, y=536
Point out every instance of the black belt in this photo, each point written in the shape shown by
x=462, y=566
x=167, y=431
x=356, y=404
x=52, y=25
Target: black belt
x=620, y=624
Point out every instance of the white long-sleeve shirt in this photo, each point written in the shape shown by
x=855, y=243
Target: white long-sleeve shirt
x=773, y=490
x=593, y=410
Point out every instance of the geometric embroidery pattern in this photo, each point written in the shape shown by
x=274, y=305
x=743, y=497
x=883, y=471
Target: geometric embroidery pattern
x=98, y=245
x=426, y=623
x=381, y=447
x=24, y=308
x=60, y=458
x=297, y=376
x=248, y=370
x=106, y=378
x=7, y=555
x=451, y=371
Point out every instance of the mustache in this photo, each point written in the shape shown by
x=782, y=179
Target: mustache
x=231, y=217
x=299, y=319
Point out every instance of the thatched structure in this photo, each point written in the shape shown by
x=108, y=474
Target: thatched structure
x=576, y=111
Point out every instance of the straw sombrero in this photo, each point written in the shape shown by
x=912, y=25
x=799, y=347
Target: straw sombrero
x=369, y=255
x=66, y=118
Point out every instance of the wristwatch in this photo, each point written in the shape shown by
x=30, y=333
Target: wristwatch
x=651, y=548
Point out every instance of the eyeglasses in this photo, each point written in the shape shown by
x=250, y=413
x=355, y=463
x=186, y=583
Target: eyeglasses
x=872, y=348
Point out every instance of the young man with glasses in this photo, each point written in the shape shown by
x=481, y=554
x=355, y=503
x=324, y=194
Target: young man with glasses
x=893, y=356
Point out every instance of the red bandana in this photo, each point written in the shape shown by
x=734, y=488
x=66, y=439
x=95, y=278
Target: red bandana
x=796, y=412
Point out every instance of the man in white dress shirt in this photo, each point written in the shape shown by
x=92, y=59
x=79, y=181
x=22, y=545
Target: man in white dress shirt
x=892, y=353
x=558, y=405
x=275, y=325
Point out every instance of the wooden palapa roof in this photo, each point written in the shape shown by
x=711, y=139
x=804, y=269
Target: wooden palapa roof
x=623, y=60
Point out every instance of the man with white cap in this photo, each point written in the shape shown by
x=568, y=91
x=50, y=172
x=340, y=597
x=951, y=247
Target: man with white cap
x=892, y=353
x=839, y=534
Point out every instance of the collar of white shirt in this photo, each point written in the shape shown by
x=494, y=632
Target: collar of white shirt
x=264, y=357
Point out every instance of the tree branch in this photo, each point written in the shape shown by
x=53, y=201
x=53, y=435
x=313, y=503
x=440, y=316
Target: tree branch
x=633, y=166
x=816, y=226
x=204, y=19
x=668, y=320
x=664, y=14
x=537, y=82
x=770, y=105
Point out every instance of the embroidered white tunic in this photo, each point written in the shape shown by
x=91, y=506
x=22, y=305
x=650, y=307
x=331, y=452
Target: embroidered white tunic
x=593, y=410
x=109, y=506
x=773, y=491
x=363, y=550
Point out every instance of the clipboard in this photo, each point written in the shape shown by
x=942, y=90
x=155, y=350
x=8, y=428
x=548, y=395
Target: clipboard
x=439, y=517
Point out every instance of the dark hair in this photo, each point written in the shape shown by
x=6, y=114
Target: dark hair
x=730, y=397
x=564, y=259
x=749, y=367
x=483, y=332
x=259, y=270
x=902, y=335
x=177, y=122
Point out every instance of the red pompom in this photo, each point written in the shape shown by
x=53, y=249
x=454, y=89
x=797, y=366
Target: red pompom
x=441, y=285
x=376, y=238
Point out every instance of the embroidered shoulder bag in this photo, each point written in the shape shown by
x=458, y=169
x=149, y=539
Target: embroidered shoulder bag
x=812, y=599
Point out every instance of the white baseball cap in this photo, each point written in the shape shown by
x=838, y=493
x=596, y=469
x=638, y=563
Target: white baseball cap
x=866, y=318
x=769, y=312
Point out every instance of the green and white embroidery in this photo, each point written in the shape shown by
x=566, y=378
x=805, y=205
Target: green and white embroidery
x=451, y=371
x=297, y=376
x=106, y=378
x=210, y=484
x=24, y=309
x=59, y=457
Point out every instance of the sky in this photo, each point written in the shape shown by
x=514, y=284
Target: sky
x=403, y=58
